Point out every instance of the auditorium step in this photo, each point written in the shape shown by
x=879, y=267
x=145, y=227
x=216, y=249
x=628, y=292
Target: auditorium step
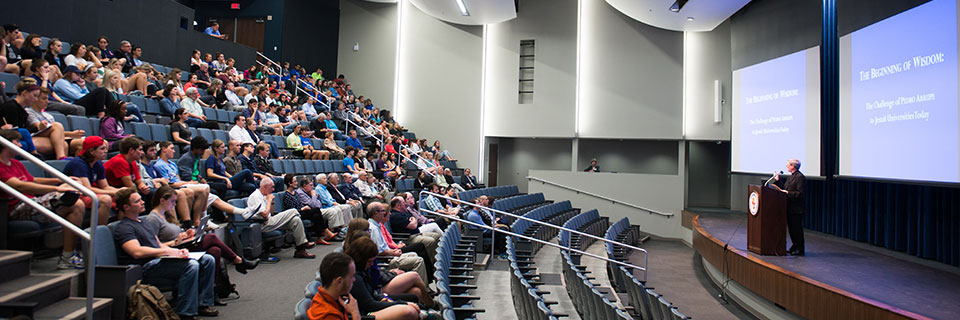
x=40, y=296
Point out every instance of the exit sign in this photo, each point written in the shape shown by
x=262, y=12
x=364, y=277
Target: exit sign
x=235, y=6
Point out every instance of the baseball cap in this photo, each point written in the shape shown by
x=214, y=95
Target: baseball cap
x=90, y=142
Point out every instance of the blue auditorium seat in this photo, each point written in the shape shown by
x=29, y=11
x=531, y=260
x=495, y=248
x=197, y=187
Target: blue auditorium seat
x=318, y=164
x=80, y=123
x=206, y=134
x=309, y=167
x=10, y=80
x=222, y=135
x=298, y=167
x=159, y=132
x=153, y=107
x=142, y=130
x=223, y=116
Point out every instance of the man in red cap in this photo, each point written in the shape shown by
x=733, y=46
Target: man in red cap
x=48, y=192
x=87, y=167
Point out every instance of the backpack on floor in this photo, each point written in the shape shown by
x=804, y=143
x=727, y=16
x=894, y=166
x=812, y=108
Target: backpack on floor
x=146, y=302
x=222, y=286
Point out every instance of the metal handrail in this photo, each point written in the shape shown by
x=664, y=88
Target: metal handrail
x=665, y=214
x=645, y=254
x=90, y=258
x=512, y=234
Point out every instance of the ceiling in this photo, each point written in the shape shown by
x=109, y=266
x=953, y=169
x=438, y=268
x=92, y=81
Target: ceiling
x=706, y=14
x=481, y=11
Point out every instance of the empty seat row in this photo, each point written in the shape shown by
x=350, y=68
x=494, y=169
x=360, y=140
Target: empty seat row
x=498, y=192
x=519, y=201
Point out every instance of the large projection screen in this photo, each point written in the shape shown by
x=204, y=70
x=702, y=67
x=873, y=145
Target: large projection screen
x=898, y=97
x=776, y=114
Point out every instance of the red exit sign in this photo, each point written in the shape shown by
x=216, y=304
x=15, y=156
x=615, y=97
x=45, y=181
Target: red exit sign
x=235, y=6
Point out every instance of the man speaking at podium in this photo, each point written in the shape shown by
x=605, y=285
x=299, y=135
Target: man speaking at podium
x=794, y=188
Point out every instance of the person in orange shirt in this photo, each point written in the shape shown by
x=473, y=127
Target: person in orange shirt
x=333, y=300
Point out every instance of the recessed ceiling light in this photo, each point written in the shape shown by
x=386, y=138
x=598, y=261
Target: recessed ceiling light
x=689, y=18
x=463, y=8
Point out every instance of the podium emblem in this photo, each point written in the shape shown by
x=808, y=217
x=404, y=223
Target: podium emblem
x=754, y=203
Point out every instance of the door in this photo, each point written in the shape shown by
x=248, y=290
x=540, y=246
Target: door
x=226, y=27
x=493, y=155
x=250, y=31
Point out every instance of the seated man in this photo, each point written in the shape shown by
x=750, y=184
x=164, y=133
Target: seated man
x=72, y=89
x=407, y=256
x=348, y=189
x=483, y=217
x=333, y=300
x=87, y=168
x=191, y=201
x=122, y=170
x=138, y=240
x=49, y=193
x=333, y=180
x=246, y=162
x=288, y=220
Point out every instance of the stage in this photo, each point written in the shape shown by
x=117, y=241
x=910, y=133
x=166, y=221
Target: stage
x=837, y=279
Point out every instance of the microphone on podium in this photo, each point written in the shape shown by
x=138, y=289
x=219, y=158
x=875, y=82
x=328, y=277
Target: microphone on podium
x=771, y=178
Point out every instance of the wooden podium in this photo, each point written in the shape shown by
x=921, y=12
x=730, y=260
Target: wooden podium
x=767, y=221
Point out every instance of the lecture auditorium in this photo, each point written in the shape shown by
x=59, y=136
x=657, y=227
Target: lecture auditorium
x=480, y=159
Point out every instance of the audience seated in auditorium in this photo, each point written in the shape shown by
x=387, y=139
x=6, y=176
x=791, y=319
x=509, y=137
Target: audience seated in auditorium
x=45, y=76
x=369, y=284
x=288, y=220
x=469, y=181
x=112, y=126
x=295, y=142
x=15, y=117
x=164, y=220
x=482, y=216
x=138, y=240
x=333, y=180
x=191, y=201
x=247, y=162
x=125, y=52
x=171, y=172
x=72, y=89
x=217, y=173
x=48, y=192
x=194, y=108
x=291, y=200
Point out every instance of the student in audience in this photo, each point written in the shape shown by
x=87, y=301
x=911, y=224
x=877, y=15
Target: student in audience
x=91, y=79
x=112, y=125
x=191, y=200
x=171, y=99
x=333, y=300
x=48, y=127
x=232, y=159
x=294, y=142
x=15, y=116
x=447, y=177
x=367, y=284
x=593, y=166
x=139, y=244
x=72, y=89
x=336, y=152
x=246, y=162
x=288, y=220
x=425, y=163
x=423, y=180
x=336, y=216
x=53, y=54
x=31, y=47
x=434, y=204
x=203, y=76
x=179, y=132
x=76, y=57
x=122, y=170
x=315, y=214
x=103, y=43
x=113, y=81
x=48, y=192
x=10, y=48
x=44, y=74
x=171, y=172
x=261, y=160
x=349, y=163
x=189, y=163
x=87, y=168
x=164, y=220
x=243, y=181
x=233, y=100
x=352, y=141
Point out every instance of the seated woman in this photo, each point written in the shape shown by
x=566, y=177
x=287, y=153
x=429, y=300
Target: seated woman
x=164, y=220
x=294, y=142
x=113, y=82
x=217, y=171
x=111, y=125
x=373, y=289
x=384, y=170
x=336, y=152
x=179, y=130
x=349, y=163
x=14, y=116
x=171, y=99
x=48, y=127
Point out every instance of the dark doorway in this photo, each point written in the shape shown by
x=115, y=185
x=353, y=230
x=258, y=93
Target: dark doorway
x=246, y=31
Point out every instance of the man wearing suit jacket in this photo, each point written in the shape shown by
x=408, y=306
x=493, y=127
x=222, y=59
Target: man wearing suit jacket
x=355, y=205
x=794, y=187
x=348, y=189
x=125, y=51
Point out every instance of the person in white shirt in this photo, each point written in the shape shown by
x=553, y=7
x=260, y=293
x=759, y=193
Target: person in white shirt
x=238, y=132
x=289, y=220
x=231, y=96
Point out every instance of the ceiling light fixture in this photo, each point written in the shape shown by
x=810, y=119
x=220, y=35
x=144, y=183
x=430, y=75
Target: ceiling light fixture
x=463, y=8
x=689, y=18
x=676, y=6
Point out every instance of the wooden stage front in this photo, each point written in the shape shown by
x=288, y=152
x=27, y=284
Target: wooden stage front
x=837, y=279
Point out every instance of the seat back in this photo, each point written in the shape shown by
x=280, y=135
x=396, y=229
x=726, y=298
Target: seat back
x=159, y=132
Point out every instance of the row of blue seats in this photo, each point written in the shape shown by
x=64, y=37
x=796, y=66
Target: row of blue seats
x=286, y=166
x=584, y=293
x=518, y=201
x=645, y=302
x=498, y=192
x=554, y=213
x=456, y=254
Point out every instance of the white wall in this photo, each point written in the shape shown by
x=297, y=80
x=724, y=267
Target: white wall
x=707, y=58
x=663, y=193
x=371, y=69
x=630, y=77
x=630, y=156
x=551, y=114
x=439, y=82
